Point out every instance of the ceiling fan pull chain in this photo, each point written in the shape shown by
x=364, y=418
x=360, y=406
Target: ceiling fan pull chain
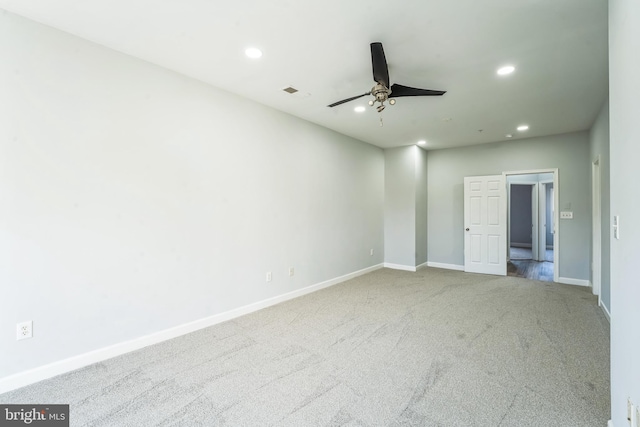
x=381, y=124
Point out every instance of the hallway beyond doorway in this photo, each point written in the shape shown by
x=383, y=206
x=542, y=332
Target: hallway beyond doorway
x=521, y=264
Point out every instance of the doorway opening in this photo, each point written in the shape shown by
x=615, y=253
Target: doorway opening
x=532, y=235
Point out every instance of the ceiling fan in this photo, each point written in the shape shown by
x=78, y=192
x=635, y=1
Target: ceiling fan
x=382, y=91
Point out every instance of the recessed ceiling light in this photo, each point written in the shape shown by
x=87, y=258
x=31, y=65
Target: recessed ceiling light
x=509, y=135
x=522, y=128
x=507, y=69
x=253, y=53
x=422, y=142
x=359, y=109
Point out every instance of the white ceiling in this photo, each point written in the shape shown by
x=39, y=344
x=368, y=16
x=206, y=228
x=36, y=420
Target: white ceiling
x=322, y=48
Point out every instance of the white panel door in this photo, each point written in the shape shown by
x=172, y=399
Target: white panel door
x=485, y=219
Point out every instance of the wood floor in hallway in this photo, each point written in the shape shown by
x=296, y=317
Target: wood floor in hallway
x=522, y=265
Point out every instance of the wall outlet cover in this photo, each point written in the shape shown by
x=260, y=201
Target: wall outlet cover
x=24, y=330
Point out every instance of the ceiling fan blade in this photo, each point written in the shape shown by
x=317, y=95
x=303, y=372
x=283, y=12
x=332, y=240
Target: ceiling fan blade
x=348, y=99
x=399, y=90
x=379, y=64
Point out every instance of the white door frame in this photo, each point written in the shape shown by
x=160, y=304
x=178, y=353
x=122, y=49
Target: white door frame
x=596, y=229
x=556, y=213
x=542, y=236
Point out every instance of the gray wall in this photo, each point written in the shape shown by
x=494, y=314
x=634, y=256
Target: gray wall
x=421, y=207
x=135, y=199
x=624, y=110
x=521, y=218
x=599, y=148
x=447, y=168
x=405, y=215
x=400, y=206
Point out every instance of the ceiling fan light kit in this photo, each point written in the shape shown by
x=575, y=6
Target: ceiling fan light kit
x=382, y=90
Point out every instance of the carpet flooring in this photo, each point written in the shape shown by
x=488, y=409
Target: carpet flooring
x=389, y=348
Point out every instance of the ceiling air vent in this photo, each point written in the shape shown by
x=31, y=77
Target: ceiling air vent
x=290, y=90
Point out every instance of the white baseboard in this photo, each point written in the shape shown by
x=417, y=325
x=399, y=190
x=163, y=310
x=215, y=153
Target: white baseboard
x=606, y=312
x=423, y=265
x=446, y=266
x=40, y=373
x=570, y=281
x=399, y=267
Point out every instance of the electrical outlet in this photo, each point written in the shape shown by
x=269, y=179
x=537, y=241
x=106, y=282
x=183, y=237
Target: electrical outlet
x=269, y=277
x=291, y=271
x=24, y=330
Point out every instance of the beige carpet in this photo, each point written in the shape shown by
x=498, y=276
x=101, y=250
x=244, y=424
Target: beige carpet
x=391, y=348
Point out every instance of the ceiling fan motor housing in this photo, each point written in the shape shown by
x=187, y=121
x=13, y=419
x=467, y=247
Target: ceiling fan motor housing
x=380, y=92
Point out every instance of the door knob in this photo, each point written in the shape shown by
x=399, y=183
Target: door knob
x=467, y=229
